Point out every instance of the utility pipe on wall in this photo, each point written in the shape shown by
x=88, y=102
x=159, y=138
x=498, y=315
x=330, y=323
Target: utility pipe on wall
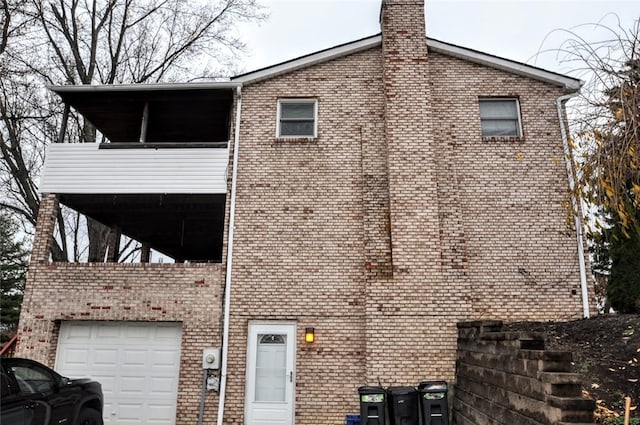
x=575, y=204
x=227, y=287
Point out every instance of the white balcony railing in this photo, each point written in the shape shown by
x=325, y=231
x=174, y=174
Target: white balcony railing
x=83, y=168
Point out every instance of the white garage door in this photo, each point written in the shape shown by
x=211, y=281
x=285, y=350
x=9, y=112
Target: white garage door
x=137, y=364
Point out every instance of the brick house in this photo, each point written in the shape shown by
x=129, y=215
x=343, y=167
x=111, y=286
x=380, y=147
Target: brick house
x=378, y=192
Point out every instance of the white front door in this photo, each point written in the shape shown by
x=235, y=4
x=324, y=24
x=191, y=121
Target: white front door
x=270, y=374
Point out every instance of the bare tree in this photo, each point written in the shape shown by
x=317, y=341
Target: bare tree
x=606, y=127
x=96, y=42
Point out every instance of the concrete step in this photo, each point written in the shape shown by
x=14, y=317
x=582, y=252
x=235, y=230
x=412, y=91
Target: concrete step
x=560, y=378
x=573, y=423
x=572, y=403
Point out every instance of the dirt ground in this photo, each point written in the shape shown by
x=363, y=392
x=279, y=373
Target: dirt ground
x=606, y=351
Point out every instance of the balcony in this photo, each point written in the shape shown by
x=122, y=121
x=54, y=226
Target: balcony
x=159, y=175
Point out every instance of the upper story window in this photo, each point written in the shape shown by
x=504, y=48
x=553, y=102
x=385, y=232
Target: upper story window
x=500, y=117
x=297, y=118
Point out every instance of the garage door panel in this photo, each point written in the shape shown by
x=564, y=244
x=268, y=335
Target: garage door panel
x=141, y=333
x=163, y=358
x=107, y=332
x=78, y=332
x=105, y=357
x=133, y=386
x=163, y=385
x=158, y=413
x=77, y=358
x=108, y=384
x=134, y=357
x=131, y=411
x=166, y=334
x=136, y=363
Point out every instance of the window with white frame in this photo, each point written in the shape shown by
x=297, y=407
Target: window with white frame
x=297, y=118
x=500, y=117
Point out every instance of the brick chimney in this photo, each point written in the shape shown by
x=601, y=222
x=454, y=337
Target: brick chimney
x=402, y=22
x=413, y=196
x=409, y=137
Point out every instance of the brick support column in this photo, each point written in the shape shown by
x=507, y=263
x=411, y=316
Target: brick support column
x=44, y=230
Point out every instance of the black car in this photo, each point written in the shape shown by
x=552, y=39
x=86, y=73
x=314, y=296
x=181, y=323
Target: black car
x=33, y=394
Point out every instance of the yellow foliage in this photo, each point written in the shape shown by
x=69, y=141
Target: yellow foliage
x=619, y=115
x=624, y=218
x=625, y=233
x=607, y=187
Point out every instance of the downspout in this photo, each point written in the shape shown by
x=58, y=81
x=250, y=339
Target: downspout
x=227, y=287
x=568, y=156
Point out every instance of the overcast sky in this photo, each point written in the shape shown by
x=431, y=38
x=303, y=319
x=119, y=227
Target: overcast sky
x=514, y=29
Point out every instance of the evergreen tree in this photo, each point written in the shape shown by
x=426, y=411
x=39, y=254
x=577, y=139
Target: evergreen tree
x=623, y=256
x=13, y=273
x=616, y=259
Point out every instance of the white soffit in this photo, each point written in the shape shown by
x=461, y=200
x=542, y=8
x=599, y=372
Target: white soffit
x=568, y=83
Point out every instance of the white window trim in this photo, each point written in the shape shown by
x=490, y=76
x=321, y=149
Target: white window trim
x=519, y=115
x=315, y=117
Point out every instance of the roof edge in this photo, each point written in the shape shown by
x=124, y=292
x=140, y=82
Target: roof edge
x=310, y=59
x=569, y=84
x=86, y=88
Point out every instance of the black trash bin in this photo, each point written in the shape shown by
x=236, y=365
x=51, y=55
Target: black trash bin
x=433, y=402
x=372, y=402
x=403, y=406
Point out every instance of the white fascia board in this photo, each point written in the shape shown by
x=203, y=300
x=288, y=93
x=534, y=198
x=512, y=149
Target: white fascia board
x=570, y=85
x=86, y=88
x=312, y=59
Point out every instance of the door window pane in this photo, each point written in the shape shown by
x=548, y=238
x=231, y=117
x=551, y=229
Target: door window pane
x=271, y=367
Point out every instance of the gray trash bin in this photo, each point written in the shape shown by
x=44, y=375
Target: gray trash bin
x=372, y=404
x=433, y=402
x=403, y=406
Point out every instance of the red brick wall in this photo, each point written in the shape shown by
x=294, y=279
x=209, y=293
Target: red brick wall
x=298, y=248
x=186, y=293
x=396, y=223
x=504, y=231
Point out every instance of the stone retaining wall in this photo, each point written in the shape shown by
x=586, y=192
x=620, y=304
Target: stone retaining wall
x=509, y=378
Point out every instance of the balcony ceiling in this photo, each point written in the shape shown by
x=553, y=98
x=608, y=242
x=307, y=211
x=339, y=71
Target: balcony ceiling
x=194, y=115
x=183, y=227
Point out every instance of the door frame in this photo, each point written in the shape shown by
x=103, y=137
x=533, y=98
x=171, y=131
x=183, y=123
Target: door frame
x=269, y=326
